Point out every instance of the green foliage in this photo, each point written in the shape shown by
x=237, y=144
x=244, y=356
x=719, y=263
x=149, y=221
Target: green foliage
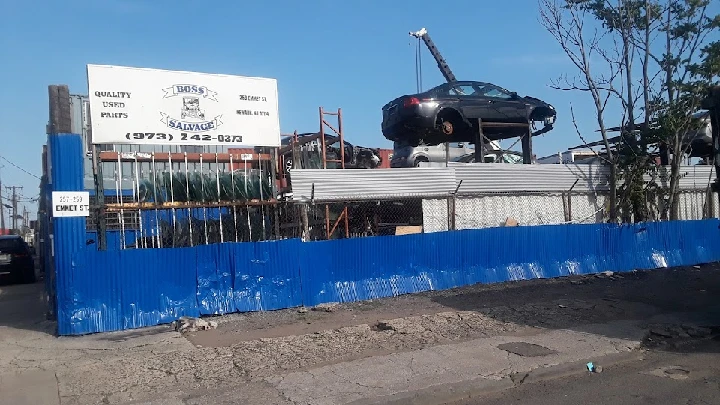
x=708, y=69
x=658, y=65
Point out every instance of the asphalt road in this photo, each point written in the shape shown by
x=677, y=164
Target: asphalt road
x=685, y=376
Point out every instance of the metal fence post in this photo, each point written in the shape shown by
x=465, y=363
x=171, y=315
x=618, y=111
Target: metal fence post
x=304, y=225
x=709, y=203
x=451, y=212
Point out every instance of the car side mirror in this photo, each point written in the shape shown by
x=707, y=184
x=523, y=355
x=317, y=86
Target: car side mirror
x=514, y=95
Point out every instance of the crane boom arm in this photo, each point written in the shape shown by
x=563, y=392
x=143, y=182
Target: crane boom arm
x=442, y=65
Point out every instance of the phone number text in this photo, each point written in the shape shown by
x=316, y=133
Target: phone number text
x=183, y=137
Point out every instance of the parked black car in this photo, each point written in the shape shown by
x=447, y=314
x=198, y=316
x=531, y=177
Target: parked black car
x=449, y=113
x=16, y=259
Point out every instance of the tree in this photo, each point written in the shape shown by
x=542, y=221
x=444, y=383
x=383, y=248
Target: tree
x=568, y=23
x=687, y=75
x=667, y=38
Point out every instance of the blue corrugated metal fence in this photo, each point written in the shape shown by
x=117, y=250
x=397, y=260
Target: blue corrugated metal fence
x=119, y=289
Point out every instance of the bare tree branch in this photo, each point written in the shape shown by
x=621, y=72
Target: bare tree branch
x=585, y=143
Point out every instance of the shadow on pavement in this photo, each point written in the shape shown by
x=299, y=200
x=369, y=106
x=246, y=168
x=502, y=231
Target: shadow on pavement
x=678, y=308
x=23, y=306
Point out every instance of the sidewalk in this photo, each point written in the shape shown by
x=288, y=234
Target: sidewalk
x=477, y=364
x=435, y=374
x=29, y=387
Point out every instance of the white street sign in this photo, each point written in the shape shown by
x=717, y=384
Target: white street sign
x=151, y=106
x=70, y=203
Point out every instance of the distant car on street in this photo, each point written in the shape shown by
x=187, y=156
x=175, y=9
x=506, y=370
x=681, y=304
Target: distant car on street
x=16, y=259
x=449, y=113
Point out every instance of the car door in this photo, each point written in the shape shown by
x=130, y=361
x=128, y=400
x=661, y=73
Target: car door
x=470, y=102
x=504, y=106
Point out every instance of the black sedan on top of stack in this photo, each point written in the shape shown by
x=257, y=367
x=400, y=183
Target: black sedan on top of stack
x=450, y=113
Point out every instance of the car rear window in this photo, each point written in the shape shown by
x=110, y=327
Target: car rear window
x=10, y=245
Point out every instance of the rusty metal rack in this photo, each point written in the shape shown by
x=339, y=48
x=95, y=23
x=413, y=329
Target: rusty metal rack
x=324, y=125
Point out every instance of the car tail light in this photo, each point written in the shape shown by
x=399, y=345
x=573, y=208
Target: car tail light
x=411, y=101
x=19, y=255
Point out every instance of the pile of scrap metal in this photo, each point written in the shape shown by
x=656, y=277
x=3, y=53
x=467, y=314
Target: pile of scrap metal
x=304, y=151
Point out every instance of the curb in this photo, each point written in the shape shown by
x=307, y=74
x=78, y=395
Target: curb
x=457, y=393
x=442, y=394
x=575, y=368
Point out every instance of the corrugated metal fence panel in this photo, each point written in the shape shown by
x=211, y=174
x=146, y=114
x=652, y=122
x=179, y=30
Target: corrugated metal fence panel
x=68, y=234
x=246, y=277
x=495, y=178
x=359, y=184
x=476, y=179
x=267, y=275
x=368, y=268
x=122, y=289
x=348, y=270
x=67, y=164
x=214, y=279
x=697, y=177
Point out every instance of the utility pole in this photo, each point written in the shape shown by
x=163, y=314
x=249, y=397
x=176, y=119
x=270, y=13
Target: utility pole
x=14, y=204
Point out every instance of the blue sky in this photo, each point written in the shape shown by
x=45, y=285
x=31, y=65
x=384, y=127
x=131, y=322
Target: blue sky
x=356, y=55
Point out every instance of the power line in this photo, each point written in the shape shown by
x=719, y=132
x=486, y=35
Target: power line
x=21, y=198
x=19, y=168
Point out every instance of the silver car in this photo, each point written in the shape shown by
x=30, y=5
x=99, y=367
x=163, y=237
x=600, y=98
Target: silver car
x=405, y=155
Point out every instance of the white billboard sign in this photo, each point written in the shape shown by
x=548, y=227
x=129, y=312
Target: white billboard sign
x=70, y=203
x=151, y=106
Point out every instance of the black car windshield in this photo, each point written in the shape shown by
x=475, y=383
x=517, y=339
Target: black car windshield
x=10, y=245
x=475, y=89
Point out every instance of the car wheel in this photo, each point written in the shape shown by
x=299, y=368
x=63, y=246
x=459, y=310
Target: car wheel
x=450, y=122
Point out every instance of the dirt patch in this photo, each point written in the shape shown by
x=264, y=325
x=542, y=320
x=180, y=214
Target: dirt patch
x=238, y=328
x=548, y=303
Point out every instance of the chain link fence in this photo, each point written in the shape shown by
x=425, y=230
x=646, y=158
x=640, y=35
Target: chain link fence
x=133, y=225
x=351, y=219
